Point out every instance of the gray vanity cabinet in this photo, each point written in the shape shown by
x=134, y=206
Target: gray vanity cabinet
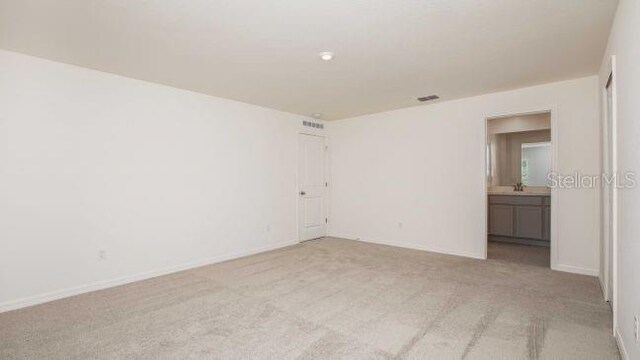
x=502, y=223
x=528, y=222
x=520, y=218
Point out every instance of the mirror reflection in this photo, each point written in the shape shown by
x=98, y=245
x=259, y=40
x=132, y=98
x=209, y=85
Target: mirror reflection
x=519, y=150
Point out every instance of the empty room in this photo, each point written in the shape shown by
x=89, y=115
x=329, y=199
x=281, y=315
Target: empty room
x=427, y=179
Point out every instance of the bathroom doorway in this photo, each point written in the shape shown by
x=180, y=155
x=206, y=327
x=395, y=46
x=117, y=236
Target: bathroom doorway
x=519, y=162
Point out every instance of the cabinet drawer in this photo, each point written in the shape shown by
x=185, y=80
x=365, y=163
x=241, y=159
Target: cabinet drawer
x=515, y=199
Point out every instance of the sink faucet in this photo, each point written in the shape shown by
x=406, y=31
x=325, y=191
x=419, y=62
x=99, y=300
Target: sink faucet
x=518, y=186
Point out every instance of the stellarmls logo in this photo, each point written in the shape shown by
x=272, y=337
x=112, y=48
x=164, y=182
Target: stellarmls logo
x=578, y=180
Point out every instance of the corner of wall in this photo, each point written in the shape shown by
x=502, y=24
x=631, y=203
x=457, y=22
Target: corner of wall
x=624, y=355
x=576, y=270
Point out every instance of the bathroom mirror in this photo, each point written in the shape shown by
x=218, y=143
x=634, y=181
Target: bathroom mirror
x=535, y=163
x=521, y=156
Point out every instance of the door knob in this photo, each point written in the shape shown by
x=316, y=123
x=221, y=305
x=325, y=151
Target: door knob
x=302, y=193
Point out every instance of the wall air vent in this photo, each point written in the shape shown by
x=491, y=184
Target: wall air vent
x=428, y=98
x=312, y=124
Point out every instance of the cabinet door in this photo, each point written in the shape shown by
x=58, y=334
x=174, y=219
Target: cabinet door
x=501, y=220
x=546, y=228
x=528, y=222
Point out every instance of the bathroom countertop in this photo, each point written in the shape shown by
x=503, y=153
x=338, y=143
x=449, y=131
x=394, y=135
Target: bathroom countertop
x=519, y=193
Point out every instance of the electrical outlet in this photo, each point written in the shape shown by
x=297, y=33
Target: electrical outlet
x=636, y=328
x=102, y=255
x=400, y=225
x=268, y=228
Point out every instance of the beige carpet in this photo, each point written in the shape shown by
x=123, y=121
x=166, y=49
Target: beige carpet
x=520, y=254
x=327, y=299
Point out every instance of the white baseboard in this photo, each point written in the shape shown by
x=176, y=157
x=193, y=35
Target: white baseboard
x=559, y=267
x=104, y=284
x=421, y=247
x=624, y=355
x=576, y=270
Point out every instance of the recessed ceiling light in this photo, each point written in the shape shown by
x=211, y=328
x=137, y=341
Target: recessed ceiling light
x=316, y=115
x=326, y=56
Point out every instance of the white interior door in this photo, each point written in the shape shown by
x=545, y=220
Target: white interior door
x=312, y=188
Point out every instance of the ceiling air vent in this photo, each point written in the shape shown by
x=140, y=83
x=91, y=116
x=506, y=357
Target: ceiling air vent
x=313, y=124
x=428, y=98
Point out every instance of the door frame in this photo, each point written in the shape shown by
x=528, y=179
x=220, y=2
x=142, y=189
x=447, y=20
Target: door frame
x=609, y=216
x=553, y=236
x=327, y=176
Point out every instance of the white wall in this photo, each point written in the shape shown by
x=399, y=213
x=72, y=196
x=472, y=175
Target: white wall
x=424, y=167
x=160, y=178
x=625, y=45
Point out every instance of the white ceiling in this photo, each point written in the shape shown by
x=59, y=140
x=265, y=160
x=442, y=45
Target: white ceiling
x=264, y=52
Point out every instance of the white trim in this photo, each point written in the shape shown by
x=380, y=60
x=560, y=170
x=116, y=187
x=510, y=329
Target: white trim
x=555, y=209
x=104, y=284
x=576, y=270
x=602, y=245
x=624, y=355
x=553, y=111
x=485, y=212
x=614, y=168
x=414, y=246
x=535, y=144
x=605, y=212
x=613, y=212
